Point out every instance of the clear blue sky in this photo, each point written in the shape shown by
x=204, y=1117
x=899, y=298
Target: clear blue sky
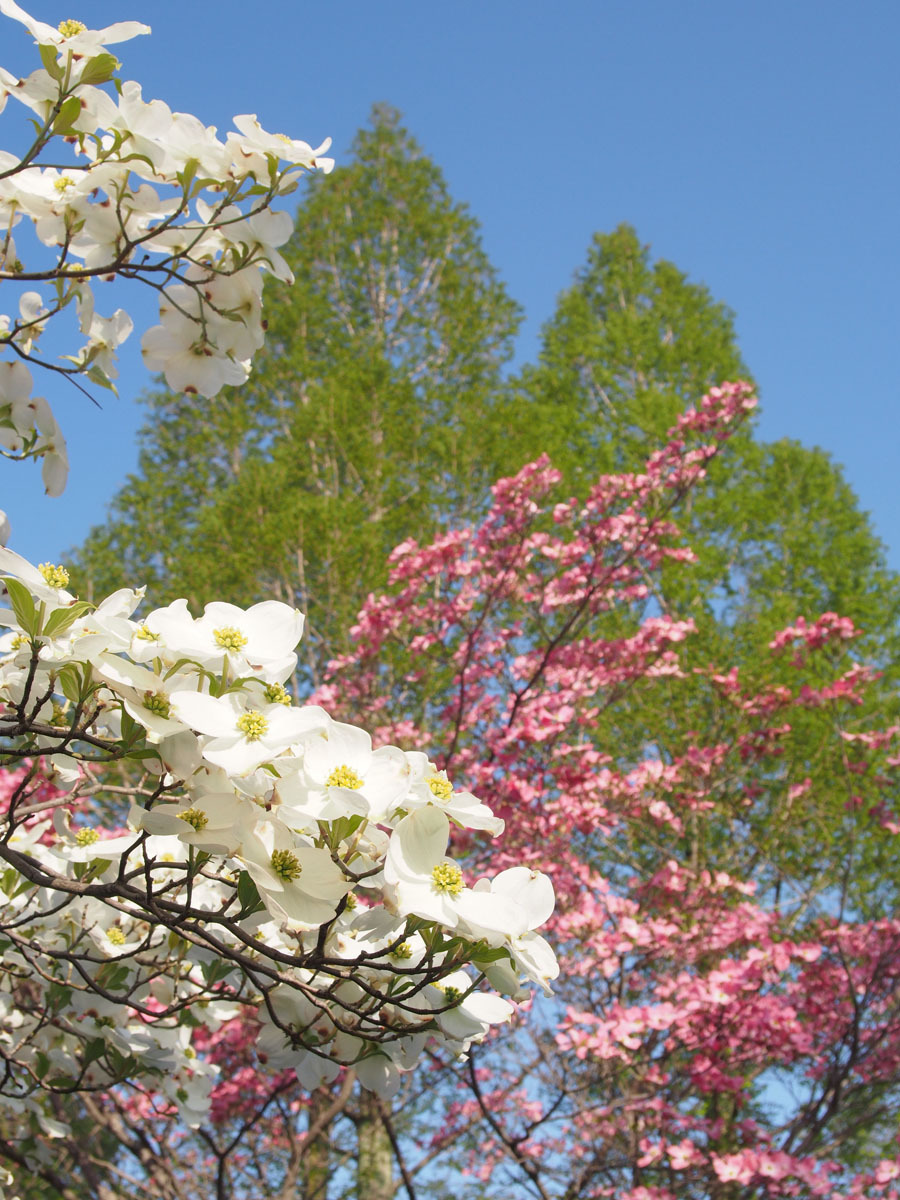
x=755, y=145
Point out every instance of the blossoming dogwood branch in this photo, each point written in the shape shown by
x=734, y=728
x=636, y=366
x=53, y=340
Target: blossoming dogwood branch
x=114, y=186
x=267, y=854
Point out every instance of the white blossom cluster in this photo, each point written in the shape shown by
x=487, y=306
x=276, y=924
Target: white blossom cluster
x=134, y=191
x=269, y=851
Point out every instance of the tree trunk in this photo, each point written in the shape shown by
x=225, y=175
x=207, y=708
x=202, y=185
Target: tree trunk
x=315, y=1163
x=375, y=1165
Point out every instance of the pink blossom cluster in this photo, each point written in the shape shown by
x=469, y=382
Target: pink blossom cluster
x=699, y=980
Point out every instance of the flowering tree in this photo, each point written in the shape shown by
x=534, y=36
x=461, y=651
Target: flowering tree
x=728, y=1019
x=208, y=847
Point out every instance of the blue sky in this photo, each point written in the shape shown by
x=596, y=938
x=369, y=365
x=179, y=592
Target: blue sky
x=752, y=144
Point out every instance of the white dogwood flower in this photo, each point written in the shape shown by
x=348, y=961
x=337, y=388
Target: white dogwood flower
x=240, y=737
x=428, y=785
x=297, y=882
x=72, y=36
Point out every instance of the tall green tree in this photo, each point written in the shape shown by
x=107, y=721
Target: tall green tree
x=777, y=531
x=776, y=528
x=370, y=413
x=631, y=344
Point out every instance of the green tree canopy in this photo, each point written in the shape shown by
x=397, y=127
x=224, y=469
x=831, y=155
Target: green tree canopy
x=632, y=343
x=369, y=414
x=777, y=529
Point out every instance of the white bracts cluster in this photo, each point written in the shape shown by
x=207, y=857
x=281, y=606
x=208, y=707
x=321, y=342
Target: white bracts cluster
x=293, y=865
x=148, y=194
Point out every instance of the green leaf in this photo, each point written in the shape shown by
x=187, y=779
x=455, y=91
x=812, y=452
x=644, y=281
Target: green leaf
x=97, y=375
x=59, y=997
x=248, y=896
x=8, y=880
x=51, y=66
x=140, y=753
x=345, y=827
x=70, y=683
x=94, y=1049
x=131, y=731
x=86, y=872
x=62, y=618
x=100, y=69
x=24, y=885
x=491, y=955
x=69, y=112
x=23, y=606
x=123, y=1066
x=62, y=1083
x=186, y=176
x=213, y=970
x=176, y=667
x=113, y=975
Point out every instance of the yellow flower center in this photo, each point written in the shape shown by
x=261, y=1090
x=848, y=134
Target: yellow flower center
x=56, y=577
x=19, y=641
x=195, y=817
x=401, y=952
x=58, y=716
x=440, y=786
x=452, y=994
x=116, y=936
x=252, y=725
x=345, y=777
x=447, y=877
x=145, y=634
x=157, y=703
x=286, y=865
x=86, y=837
x=229, y=638
x=275, y=693
x=64, y=183
x=71, y=28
